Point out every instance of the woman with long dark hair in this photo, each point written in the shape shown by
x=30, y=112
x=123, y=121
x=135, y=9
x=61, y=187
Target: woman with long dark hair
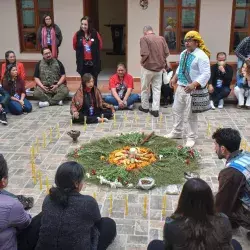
x=10, y=58
x=87, y=43
x=71, y=220
x=49, y=35
x=195, y=225
x=15, y=86
x=87, y=103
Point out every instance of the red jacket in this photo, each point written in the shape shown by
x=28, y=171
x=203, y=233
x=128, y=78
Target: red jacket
x=20, y=71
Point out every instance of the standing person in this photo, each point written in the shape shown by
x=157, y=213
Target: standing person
x=87, y=43
x=15, y=86
x=72, y=220
x=10, y=58
x=87, y=102
x=233, y=197
x=242, y=88
x=50, y=78
x=154, y=52
x=49, y=35
x=220, y=80
x=121, y=85
x=195, y=223
x=193, y=72
x=243, y=53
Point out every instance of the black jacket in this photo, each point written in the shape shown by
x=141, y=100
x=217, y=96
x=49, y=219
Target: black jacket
x=217, y=74
x=94, y=50
x=6, y=97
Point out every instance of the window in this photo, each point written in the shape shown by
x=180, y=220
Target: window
x=177, y=18
x=240, y=22
x=30, y=14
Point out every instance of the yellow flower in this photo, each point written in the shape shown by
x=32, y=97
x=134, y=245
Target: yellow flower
x=102, y=158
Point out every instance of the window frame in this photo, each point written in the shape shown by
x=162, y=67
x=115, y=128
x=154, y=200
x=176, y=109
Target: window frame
x=179, y=28
x=22, y=30
x=247, y=30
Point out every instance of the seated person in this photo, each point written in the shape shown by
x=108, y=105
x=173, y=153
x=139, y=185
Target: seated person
x=50, y=79
x=220, y=80
x=195, y=224
x=4, y=100
x=242, y=88
x=15, y=86
x=167, y=93
x=78, y=216
x=87, y=102
x=17, y=229
x=233, y=197
x=121, y=85
x=10, y=58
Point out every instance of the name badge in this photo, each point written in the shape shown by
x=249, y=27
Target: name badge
x=219, y=83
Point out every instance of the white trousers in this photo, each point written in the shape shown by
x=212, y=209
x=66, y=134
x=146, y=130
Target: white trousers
x=182, y=112
x=240, y=94
x=155, y=78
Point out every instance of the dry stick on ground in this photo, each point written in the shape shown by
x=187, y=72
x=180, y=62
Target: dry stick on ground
x=147, y=138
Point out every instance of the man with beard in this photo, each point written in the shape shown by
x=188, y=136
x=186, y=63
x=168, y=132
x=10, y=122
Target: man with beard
x=233, y=197
x=50, y=79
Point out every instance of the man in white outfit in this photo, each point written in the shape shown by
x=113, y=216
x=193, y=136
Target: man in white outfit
x=154, y=52
x=193, y=72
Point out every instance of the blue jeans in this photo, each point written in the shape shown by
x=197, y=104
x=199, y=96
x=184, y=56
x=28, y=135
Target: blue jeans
x=131, y=100
x=15, y=108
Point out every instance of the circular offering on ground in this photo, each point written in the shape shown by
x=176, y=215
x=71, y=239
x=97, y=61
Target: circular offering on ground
x=122, y=160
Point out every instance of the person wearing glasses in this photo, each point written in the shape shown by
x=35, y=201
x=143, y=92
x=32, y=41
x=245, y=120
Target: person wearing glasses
x=50, y=78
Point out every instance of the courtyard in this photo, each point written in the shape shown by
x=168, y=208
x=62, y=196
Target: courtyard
x=135, y=230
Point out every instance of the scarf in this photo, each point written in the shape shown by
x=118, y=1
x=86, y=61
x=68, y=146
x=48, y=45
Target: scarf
x=197, y=37
x=53, y=40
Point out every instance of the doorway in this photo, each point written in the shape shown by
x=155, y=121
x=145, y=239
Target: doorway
x=109, y=18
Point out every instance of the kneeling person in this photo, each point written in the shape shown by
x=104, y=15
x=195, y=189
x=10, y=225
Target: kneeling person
x=50, y=79
x=121, y=85
x=87, y=102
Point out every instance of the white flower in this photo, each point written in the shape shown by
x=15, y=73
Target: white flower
x=160, y=156
x=112, y=185
x=88, y=175
x=130, y=185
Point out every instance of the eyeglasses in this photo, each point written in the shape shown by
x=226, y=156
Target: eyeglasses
x=188, y=40
x=47, y=54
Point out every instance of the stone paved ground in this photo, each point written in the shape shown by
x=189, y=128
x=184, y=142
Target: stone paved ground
x=134, y=230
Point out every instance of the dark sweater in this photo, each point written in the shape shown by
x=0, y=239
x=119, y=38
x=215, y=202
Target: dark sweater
x=176, y=233
x=6, y=97
x=70, y=228
x=217, y=74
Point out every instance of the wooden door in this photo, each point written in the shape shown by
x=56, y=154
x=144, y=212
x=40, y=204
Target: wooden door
x=90, y=8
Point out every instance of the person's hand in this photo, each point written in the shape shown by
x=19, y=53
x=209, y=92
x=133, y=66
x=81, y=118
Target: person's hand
x=222, y=69
x=172, y=83
x=21, y=102
x=121, y=104
x=189, y=88
x=164, y=70
x=125, y=102
x=210, y=88
x=44, y=88
x=76, y=115
x=54, y=87
x=1, y=107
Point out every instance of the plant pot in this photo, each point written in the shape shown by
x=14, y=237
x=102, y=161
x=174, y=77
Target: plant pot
x=74, y=134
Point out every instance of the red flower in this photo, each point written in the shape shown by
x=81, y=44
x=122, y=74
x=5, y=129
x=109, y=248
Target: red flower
x=187, y=161
x=180, y=147
x=126, y=183
x=93, y=172
x=191, y=152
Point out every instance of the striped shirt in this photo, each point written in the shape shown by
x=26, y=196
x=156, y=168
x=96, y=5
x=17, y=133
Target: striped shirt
x=243, y=49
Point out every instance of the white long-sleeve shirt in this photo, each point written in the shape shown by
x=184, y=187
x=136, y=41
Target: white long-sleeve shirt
x=198, y=67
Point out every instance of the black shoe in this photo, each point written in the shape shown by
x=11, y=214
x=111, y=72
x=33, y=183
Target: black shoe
x=248, y=236
x=3, y=118
x=143, y=110
x=154, y=113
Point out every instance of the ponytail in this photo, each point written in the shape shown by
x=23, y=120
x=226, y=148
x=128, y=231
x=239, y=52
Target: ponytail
x=60, y=196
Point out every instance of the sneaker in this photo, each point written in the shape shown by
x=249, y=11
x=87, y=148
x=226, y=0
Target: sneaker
x=239, y=106
x=221, y=104
x=131, y=107
x=60, y=103
x=143, y=110
x=43, y=104
x=154, y=113
x=173, y=136
x=212, y=104
x=3, y=118
x=190, y=143
x=116, y=108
